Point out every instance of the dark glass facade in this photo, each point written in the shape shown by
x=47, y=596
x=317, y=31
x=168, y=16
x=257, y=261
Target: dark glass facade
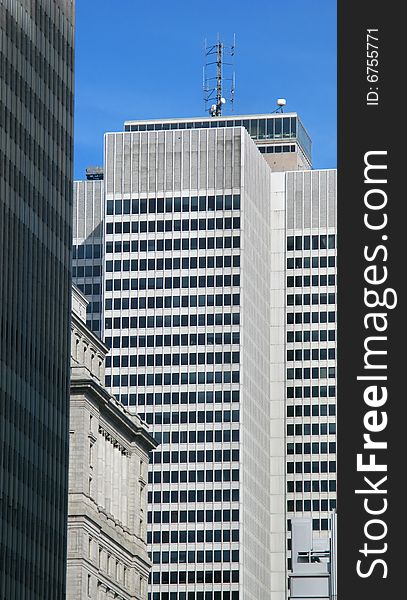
x=36, y=118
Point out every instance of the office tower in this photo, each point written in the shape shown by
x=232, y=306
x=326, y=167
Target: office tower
x=310, y=278
x=36, y=70
x=187, y=316
x=108, y=461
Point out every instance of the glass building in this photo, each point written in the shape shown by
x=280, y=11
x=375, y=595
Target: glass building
x=36, y=97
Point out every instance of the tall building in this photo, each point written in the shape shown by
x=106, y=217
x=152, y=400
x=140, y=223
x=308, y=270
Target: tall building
x=36, y=97
x=307, y=200
x=187, y=245
x=190, y=348
x=108, y=461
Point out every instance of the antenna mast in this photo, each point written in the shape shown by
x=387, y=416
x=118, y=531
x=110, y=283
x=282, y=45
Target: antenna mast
x=213, y=76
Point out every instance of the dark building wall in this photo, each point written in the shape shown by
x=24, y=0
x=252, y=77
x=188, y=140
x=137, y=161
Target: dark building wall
x=36, y=118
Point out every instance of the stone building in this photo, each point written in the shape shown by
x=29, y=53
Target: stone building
x=107, y=553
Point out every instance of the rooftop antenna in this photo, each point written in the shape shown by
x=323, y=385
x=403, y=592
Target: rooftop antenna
x=214, y=77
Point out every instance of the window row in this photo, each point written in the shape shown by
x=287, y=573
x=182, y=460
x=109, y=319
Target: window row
x=192, y=397
x=195, y=556
x=174, y=496
x=87, y=251
x=308, y=317
x=276, y=149
x=314, y=391
x=314, y=410
x=193, y=516
x=191, y=339
x=87, y=271
x=318, y=485
x=314, y=335
x=308, y=262
x=191, y=456
x=314, y=466
x=150, y=379
x=90, y=289
x=142, y=302
x=200, y=416
x=311, y=429
x=170, y=225
x=187, y=262
x=166, y=577
x=308, y=280
x=200, y=476
x=193, y=437
x=170, y=244
x=310, y=505
x=192, y=536
x=314, y=448
x=175, y=320
x=142, y=206
x=208, y=595
x=168, y=283
x=314, y=354
x=311, y=242
x=307, y=299
x=174, y=340
x=311, y=373
x=271, y=128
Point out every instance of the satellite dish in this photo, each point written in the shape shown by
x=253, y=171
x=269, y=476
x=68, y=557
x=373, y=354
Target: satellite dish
x=281, y=102
x=222, y=101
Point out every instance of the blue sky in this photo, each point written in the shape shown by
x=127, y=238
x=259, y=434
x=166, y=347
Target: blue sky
x=142, y=60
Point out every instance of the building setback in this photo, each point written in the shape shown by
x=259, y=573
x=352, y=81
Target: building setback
x=36, y=98
x=107, y=551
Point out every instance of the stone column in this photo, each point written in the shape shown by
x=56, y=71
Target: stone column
x=116, y=481
x=124, y=488
x=108, y=475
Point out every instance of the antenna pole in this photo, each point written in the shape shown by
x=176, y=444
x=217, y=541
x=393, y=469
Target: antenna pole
x=213, y=71
x=219, y=80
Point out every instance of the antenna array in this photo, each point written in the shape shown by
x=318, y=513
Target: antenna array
x=215, y=74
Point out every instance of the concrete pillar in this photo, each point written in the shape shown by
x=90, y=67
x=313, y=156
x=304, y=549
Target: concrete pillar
x=108, y=475
x=116, y=481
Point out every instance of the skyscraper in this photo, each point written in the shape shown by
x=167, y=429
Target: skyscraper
x=36, y=67
x=186, y=312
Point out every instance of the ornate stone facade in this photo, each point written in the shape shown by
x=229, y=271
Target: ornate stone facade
x=107, y=555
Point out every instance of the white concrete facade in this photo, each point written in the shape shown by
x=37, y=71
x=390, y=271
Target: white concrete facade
x=187, y=313
x=310, y=253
